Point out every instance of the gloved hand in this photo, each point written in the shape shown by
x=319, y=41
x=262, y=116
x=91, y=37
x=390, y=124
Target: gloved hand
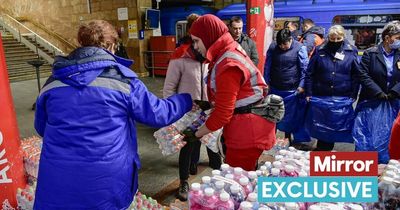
x=392, y=95
x=382, y=96
x=189, y=135
x=204, y=105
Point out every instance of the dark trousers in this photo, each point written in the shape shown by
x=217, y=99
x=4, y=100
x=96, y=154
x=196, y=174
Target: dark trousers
x=324, y=146
x=190, y=153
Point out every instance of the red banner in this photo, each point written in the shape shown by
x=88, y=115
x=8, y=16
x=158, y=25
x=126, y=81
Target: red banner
x=11, y=166
x=260, y=26
x=344, y=164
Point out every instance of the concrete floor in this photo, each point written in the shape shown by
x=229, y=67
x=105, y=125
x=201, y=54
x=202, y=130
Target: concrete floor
x=158, y=176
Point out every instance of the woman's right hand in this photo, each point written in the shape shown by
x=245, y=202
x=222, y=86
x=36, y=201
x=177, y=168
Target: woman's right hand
x=308, y=98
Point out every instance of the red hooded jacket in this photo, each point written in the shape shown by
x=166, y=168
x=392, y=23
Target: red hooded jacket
x=233, y=81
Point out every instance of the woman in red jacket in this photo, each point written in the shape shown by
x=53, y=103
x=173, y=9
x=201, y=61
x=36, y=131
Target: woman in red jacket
x=234, y=84
x=394, y=145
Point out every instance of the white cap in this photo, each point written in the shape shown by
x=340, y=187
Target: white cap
x=305, y=161
x=264, y=208
x=387, y=179
x=258, y=172
x=278, y=157
x=252, y=175
x=314, y=207
x=244, y=181
x=196, y=186
x=206, y=179
x=303, y=174
x=229, y=176
x=292, y=149
x=237, y=170
x=353, y=206
x=235, y=188
x=390, y=174
x=216, y=172
x=275, y=171
x=252, y=197
x=393, y=162
x=289, y=168
x=297, y=156
x=245, y=205
x=277, y=164
x=283, y=152
x=391, y=167
x=220, y=184
x=263, y=168
x=291, y=206
x=209, y=191
x=268, y=164
x=224, y=167
x=224, y=197
x=397, y=180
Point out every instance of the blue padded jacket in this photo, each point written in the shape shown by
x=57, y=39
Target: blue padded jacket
x=86, y=114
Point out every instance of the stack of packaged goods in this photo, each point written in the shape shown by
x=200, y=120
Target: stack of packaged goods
x=26, y=197
x=142, y=202
x=31, y=148
x=233, y=188
x=389, y=187
x=171, y=139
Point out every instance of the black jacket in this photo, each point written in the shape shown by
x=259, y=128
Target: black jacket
x=250, y=47
x=373, y=74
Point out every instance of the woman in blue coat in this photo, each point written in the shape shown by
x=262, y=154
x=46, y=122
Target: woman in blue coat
x=86, y=114
x=331, y=87
x=380, y=90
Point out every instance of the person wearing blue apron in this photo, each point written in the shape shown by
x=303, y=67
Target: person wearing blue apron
x=331, y=88
x=379, y=74
x=284, y=71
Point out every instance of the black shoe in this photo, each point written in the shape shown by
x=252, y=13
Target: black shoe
x=183, y=191
x=193, y=169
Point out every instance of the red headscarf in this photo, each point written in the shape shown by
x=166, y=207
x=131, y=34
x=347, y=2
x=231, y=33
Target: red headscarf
x=208, y=28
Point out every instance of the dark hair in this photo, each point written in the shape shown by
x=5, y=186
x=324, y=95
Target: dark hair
x=235, y=19
x=190, y=19
x=308, y=22
x=286, y=24
x=391, y=28
x=283, y=36
x=295, y=24
x=97, y=33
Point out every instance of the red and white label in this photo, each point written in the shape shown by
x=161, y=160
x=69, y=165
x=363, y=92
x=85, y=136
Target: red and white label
x=343, y=164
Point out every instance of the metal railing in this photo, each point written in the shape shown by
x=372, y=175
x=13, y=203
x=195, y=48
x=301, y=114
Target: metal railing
x=20, y=32
x=149, y=61
x=66, y=46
